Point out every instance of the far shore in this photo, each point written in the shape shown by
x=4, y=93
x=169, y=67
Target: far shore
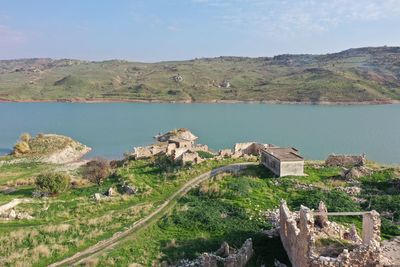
x=215, y=101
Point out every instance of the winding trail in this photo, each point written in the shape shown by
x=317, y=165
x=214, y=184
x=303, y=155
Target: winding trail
x=109, y=243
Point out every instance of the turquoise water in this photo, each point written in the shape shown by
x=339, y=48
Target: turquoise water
x=114, y=128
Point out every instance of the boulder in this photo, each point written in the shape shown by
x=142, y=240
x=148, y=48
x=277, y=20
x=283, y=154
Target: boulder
x=130, y=190
x=356, y=172
x=97, y=197
x=111, y=192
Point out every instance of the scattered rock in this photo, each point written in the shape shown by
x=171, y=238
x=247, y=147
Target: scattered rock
x=356, y=172
x=97, y=197
x=351, y=190
x=130, y=190
x=225, y=84
x=345, y=160
x=12, y=214
x=111, y=192
x=177, y=78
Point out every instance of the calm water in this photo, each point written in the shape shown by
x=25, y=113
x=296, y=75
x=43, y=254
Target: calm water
x=114, y=128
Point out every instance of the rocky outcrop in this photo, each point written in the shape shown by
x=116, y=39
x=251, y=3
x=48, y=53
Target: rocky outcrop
x=356, y=172
x=345, y=160
x=7, y=210
x=224, y=256
x=52, y=148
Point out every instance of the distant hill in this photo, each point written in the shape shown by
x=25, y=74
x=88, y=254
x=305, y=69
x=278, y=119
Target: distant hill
x=370, y=74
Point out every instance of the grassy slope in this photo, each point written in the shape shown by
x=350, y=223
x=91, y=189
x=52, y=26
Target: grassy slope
x=230, y=209
x=365, y=74
x=73, y=221
x=227, y=208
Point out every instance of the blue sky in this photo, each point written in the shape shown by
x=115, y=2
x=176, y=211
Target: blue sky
x=154, y=30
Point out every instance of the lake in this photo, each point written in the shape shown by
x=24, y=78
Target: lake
x=114, y=128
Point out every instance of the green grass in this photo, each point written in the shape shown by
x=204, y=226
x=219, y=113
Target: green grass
x=226, y=208
x=72, y=221
x=230, y=208
x=365, y=74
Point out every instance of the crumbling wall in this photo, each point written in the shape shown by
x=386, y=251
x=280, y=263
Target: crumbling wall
x=345, y=160
x=232, y=258
x=249, y=148
x=296, y=239
x=225, y=152
x=299, y=232
x=148, y=151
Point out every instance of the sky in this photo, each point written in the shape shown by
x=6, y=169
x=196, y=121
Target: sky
x=158, y=30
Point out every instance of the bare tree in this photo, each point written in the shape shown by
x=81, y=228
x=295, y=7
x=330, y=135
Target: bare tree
x=97, y=170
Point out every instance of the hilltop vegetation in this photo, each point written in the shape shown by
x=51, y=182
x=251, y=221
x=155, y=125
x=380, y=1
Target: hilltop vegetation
x=354, y=75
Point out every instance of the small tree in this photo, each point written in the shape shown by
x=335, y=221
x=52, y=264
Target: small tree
x=97, y=170
x=25, y=137
x=21, y=147
x=52, y=183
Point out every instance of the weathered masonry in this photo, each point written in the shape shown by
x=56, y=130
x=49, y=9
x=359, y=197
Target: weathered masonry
x=283, y=161
x=308, y=242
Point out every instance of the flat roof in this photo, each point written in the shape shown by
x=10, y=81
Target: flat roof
x=284, y=153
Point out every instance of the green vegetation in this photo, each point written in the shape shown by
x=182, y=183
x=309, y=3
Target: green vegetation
x=73, y=221
x=364, y=74
x=52, y=183
x=205, y=155
x=228, y=207
x=231, y=208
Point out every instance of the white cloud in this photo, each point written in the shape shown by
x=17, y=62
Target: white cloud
x=287, y=17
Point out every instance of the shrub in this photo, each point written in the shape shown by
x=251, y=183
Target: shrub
x=205, y=154
x=25, y=137
x=21, y=147
x=52, y=183
x=97, y=170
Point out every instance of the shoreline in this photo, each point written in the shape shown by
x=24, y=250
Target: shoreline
x=277, y=102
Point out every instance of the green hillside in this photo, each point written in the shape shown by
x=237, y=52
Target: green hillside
x=354, y=75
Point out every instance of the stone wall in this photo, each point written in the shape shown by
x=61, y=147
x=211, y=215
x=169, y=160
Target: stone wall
x=295, y=168
x=271, y=163
x=299, y=231
x=345, y=160
x=249, y=148
x=225, y=256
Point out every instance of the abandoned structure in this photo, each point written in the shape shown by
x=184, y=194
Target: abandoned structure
x=179, y=144
x=282, y=161
x=225, y=256
x=307, y=241
x=345, y=160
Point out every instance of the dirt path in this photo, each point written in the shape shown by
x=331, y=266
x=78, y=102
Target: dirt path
x=161, y=210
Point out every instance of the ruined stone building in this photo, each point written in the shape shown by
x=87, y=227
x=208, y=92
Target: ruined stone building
x=179, y=144
x=283, y=161
x=345, y=160
x=310, y=243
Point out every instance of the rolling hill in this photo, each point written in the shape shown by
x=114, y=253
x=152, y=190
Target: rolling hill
x=362, y=75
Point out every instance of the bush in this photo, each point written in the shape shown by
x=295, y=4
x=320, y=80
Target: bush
x=21, y=147
x=25, y=137
x=52, y=183
x=205, y=154
x=97, y=170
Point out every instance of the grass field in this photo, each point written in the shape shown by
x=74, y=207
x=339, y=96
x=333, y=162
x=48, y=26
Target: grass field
x=72, y=221
x=230, y=208
x=355, y=75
